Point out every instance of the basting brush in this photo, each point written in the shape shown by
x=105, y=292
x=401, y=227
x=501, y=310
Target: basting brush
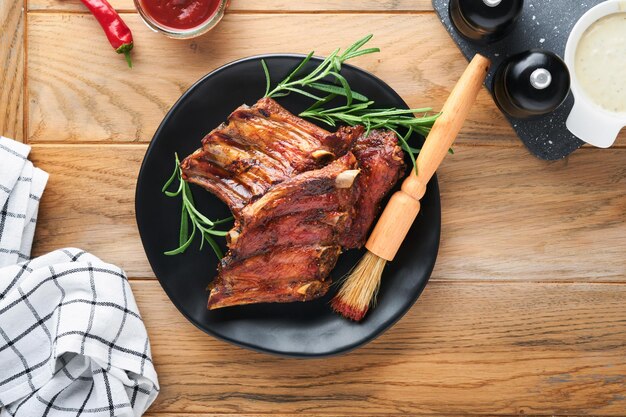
x=360, y=287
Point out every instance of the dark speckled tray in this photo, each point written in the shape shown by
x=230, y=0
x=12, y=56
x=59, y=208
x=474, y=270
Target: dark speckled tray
x=544, y=24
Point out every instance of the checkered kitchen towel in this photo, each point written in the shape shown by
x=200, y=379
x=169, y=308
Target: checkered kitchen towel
x=21, y=187
x=72, y=342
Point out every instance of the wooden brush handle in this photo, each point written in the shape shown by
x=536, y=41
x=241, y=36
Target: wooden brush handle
x=400, y=212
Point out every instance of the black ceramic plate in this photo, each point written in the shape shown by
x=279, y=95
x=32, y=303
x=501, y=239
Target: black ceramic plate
x=293, y=329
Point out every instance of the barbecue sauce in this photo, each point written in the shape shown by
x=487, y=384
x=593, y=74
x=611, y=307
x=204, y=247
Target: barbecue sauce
x=180, y=14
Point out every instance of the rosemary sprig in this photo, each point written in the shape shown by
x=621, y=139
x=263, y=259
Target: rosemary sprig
x=190, y=215
x=358, y=109
x=330, y=68
x=372, y=118
x=391, y=119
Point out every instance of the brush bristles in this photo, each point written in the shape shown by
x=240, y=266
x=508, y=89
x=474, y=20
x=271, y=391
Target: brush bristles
x=360, y=288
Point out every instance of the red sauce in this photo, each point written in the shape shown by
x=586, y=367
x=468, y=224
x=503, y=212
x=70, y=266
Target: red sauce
x=180, y=14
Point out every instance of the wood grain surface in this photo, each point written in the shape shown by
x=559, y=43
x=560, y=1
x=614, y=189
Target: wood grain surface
x=86, y=93
x=525, y=311
x=11, y=69
x=506, y=215
x=252, y=6
x=89, y=202
x=515, y=348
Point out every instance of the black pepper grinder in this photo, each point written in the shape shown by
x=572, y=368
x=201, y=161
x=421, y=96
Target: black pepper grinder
x=484, y=21
x=531, y=83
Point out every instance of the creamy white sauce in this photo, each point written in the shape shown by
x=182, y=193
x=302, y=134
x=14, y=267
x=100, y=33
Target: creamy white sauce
x=600, y=62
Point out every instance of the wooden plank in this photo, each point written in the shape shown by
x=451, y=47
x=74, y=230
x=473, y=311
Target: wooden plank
x=12, y=69
x=506, y=215
x=332, y=5
x=85, y=93
x=89, y=203
x=509, y=215
x=265, y=5
x=471, y=348
x=309, y=414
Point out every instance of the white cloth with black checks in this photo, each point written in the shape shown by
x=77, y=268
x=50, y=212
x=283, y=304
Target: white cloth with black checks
x=72, y=342
x=21, y=187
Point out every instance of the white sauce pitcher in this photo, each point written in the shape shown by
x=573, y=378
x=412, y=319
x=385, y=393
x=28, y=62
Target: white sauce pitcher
x=588, y=120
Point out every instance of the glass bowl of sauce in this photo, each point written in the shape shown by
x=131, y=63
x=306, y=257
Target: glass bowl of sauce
x=182, y=19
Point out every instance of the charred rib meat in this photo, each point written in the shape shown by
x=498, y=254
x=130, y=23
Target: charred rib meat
x=278, y=276
x=295, y=265
x=299, y=195
x=381, y=162
x=258, y=147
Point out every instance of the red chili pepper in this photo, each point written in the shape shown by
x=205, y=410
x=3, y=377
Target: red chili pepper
x=117, y=32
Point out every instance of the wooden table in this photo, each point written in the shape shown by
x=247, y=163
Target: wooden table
x=526, y=309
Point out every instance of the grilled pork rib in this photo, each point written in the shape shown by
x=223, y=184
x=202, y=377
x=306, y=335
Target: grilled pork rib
x=382, y=164
x=320, y=200
x=258, y=147
x=299, y=195
x=262, y=266
x=281, y=275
